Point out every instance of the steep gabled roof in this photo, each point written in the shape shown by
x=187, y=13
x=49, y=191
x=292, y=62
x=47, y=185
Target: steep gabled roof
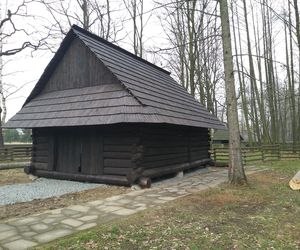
x=151, y=94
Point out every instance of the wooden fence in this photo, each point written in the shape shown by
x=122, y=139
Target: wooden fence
x=15, y=153
x=260, y=153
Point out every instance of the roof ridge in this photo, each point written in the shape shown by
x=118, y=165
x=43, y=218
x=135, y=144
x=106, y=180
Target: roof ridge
x=98, y=38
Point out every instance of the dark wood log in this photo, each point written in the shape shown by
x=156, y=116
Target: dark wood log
x=166, y=162
x=180, y=142
x=40, y=153
x=134, y=174
x=199, y=152
x=29, y=169
x=156, y=172
x=200, y=146
x=41, y=140
x=41, y=147
x=144, y=182
x=137, y=149
x=52, y=153
x=116, y=171
x=166, y=150
x=120, y=140
x=161, y=157
x=118, y=148
x=40, y=159
x=38, y=165
x=121, y=163
x=137, y=157
x=108, y=179
x=117, y=155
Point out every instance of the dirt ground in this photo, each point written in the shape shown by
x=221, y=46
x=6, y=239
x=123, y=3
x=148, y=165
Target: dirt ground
x=13, y=176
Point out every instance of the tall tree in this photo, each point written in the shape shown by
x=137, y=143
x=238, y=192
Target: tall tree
x=253, y=86
x=236, y=170
x=10, y=30
x=298, y=45
x=92, y=15
x=135, y=9
x=193, y=31
x=241, y=73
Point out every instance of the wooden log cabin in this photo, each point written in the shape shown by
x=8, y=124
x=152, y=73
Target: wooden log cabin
x=101, y=114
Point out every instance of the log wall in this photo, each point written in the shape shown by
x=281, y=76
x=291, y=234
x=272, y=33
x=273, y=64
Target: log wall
x=170, y=147
x=106, y=151
x=42, y=148
x=120, y=151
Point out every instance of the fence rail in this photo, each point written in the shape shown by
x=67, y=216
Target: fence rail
x=259, y=153
x=15, y=152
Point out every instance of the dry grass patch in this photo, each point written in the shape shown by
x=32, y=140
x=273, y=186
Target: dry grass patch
x=41, y=205
x=13, y=176
x=219, y=199
x=270, y=178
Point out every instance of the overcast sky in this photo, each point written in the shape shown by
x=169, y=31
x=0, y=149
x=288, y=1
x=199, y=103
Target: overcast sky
x=25, y=68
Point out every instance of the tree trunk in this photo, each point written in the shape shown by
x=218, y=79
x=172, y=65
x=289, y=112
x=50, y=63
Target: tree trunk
x=86, y=15
x=2, y=100
x=260, y=93
x=298, y=44
x=241, y=79
x=254, y=91
x=236, y=170
x=1, y=131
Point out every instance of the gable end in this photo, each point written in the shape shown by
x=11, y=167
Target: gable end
x=78, y=68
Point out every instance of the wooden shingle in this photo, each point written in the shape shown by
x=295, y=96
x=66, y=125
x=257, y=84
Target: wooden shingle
x=130, y=90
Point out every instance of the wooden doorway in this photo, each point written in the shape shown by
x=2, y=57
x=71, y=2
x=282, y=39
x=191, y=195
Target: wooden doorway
x=79, y=151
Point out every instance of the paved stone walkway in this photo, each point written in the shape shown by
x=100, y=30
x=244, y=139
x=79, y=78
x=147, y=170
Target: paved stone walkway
x=29, y=231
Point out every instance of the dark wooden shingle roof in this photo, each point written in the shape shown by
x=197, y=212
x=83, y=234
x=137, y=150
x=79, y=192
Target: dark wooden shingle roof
x=145, y=93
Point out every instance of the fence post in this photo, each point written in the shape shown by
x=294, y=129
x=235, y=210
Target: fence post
x=27, y=151
x=278, y=151
x=215, y=155
x=262, y=153
x=12, y=154
x=244, y=157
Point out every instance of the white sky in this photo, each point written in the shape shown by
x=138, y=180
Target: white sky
x=25, y=68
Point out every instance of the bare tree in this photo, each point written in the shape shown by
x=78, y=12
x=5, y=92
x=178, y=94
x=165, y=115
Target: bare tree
x=65, y=14
x=135, y=8
x=236, y=169
x=92, y=15
x=9, y=31
x=194, y=51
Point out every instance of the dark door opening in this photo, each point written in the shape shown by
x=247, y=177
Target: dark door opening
x=79, y=153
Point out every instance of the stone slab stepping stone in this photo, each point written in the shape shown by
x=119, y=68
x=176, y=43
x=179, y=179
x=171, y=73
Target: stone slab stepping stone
x=52, y=235
x=295, y=182
x=20, y=244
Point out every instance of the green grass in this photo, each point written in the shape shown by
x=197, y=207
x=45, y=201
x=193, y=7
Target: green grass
x=263, y=215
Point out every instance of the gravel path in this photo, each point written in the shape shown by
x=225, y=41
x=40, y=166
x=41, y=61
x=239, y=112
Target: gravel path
x=40, y=189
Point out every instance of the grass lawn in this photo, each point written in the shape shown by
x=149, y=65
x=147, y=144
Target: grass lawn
x=263, y=215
